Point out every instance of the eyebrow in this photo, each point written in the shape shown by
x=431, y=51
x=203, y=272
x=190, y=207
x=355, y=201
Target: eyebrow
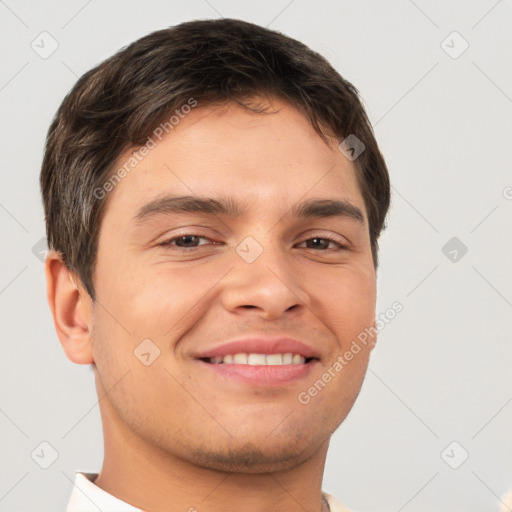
x=312, y=208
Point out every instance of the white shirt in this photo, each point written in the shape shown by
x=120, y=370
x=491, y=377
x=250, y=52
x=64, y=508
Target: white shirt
x=87, y=497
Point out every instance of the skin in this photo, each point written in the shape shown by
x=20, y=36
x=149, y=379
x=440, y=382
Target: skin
x=178, y=437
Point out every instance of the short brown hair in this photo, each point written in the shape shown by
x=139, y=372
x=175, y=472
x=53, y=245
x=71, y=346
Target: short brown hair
x=119, y=103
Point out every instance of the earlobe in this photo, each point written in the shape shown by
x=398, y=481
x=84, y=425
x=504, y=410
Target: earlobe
x=71, y=307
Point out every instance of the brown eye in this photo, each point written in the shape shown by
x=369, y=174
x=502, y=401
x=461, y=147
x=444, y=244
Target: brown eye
x=318, y=243
x=185, y=241
x=323, y=243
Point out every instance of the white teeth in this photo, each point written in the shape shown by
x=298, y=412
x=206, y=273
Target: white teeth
x=260, y=359
x=287, y=358
x=256, y=359
x=274, y=359
x=240, y=359
x=298, y=359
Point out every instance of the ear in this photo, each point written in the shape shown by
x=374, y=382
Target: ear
x=71, y=307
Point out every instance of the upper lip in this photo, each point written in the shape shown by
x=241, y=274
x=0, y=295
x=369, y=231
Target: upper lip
x=261, y=345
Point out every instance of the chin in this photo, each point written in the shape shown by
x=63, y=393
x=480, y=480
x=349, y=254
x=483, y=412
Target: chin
x=251, y=458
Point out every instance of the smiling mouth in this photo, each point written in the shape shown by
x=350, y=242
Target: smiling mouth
x=252, y=359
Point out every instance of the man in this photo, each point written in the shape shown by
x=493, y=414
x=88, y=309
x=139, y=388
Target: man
x=214, y=197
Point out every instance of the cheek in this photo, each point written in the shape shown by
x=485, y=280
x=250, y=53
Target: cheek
x=161, y=300
x=345, y=300
x=112, y=342
x=143, y=296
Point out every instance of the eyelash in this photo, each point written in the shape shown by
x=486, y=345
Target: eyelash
x=169, y=243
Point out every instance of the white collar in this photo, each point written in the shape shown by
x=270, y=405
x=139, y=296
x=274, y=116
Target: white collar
x=87, y=497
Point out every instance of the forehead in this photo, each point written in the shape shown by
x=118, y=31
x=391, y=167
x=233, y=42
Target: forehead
x=264, y=159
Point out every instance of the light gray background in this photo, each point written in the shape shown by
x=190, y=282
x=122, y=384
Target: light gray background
x=442, y=369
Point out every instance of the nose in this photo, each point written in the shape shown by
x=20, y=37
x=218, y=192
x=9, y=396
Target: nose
x=267, y=288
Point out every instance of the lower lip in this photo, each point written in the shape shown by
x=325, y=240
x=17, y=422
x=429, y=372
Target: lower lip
x=268, y=375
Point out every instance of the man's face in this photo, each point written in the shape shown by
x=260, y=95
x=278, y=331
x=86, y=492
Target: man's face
x=192, y=282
